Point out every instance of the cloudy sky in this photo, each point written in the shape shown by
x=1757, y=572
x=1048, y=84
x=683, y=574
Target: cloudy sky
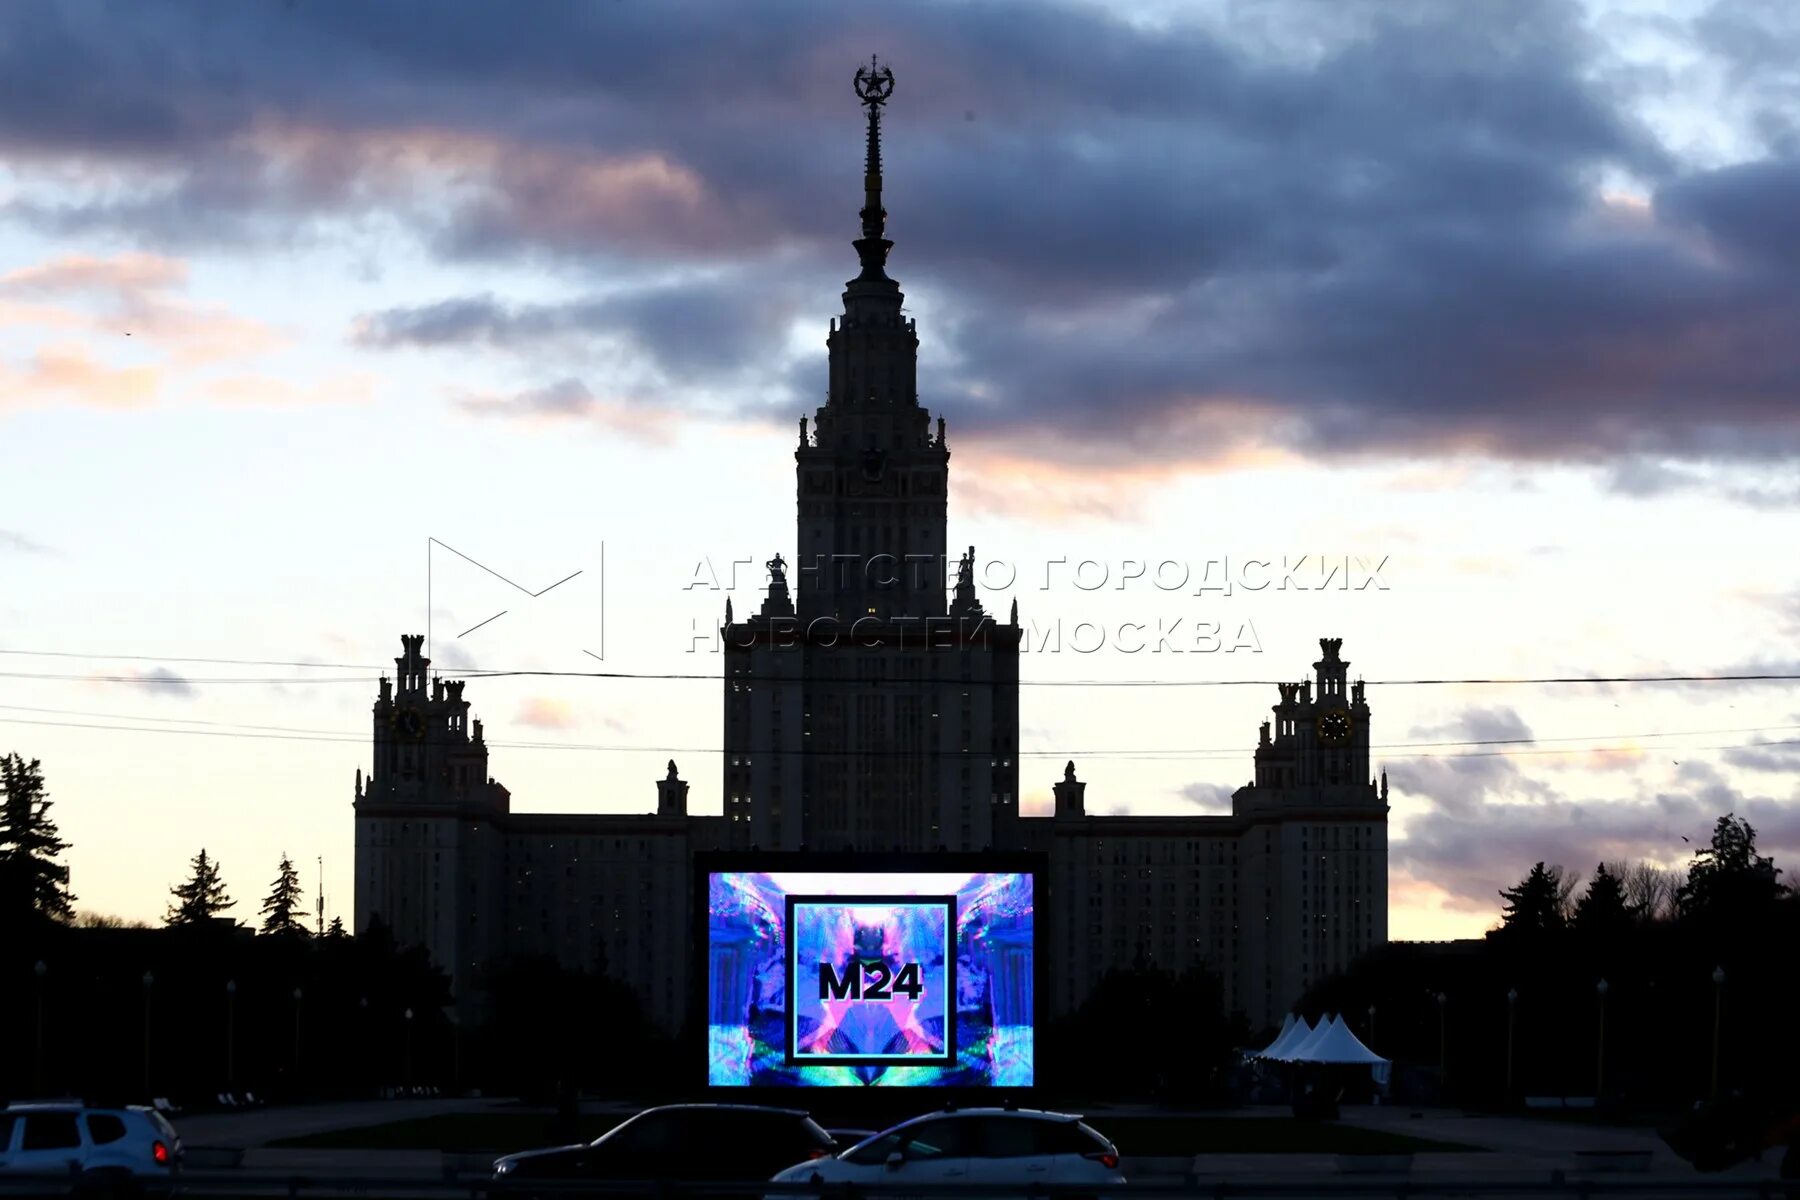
x=1499, y=296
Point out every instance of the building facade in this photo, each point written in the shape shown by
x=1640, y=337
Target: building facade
x=874, y=707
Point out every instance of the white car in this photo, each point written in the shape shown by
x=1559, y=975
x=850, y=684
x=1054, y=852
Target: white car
x=95, y=1151
x=985, y=1146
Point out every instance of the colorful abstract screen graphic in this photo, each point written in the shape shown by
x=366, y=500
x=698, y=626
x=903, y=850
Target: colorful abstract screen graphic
x=869, y=978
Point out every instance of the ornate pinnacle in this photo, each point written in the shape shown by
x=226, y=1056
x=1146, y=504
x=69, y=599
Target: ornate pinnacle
x=873, y=85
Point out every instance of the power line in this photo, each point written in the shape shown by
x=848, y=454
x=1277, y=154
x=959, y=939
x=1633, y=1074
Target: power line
x=351, y=735
x=947, y=681
x=1523, y=745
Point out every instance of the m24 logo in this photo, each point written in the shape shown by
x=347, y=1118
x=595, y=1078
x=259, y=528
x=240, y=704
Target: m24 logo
x=870, y=981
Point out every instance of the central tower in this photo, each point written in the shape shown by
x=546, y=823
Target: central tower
x=871, y=478
x=864, y=710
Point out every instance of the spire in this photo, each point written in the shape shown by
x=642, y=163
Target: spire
x=873, y=85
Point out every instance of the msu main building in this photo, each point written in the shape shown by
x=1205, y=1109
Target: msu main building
x=865, y=709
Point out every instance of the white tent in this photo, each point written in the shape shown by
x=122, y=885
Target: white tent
x=1291, y=1036
x=1336, y=1044
x=1287, y=1023
x=1300, y=1049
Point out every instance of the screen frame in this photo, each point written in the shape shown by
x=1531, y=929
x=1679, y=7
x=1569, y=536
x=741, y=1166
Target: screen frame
x=705, y=863
x=948, y=1056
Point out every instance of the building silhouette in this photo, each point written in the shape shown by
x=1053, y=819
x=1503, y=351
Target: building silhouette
x=873, y=706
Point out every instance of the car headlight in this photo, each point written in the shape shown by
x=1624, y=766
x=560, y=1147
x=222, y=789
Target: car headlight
x=503, y=1167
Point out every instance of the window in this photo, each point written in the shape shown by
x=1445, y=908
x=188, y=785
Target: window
x=944, y=1137
x=6, y=1128
x=1018, y=1137
x=875, y=1152
x=50, y=1131
x=948, y=1137
x=104, y=1128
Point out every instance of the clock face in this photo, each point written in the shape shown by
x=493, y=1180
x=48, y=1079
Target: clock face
x=409, y=723
x=1334, y=727
x=874, y=463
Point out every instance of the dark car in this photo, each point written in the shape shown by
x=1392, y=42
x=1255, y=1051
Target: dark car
x=699, y=1142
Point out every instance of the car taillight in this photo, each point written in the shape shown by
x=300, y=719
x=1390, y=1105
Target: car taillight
x=1105, y=1158
x=818, y=1152
x=160, y=1153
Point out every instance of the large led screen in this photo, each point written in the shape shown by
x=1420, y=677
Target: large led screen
x=869, y=978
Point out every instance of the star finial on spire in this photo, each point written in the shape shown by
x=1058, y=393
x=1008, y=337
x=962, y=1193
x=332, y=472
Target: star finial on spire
x=873, y=85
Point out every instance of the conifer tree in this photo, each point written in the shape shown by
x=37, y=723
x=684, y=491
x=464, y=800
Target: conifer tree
x=1729, y=880
x=30, y=877
x=201, y=897
x=1602, y=910
x=1533, y=905
x=281, y=911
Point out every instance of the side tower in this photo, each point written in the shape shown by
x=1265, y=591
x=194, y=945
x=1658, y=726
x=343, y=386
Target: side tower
x=1314, y=850
x=428, y=818
x=865, y=711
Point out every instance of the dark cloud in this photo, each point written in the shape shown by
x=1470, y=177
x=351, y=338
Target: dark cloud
x=1777, y=756
x=572, y=400
x=1210, y=797
x=18, y=543
x=1645, y=478
x=1178, y=243
x=687, y=331
x=1486, y=821
x=163, y=682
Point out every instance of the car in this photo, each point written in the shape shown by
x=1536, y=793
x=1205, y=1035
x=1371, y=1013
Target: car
x=92, y=1151
x=984, y=1146
x=701, y=1142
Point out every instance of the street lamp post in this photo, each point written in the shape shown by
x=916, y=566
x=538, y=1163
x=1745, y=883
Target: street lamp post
x=1600, y=1052
x=1443, y=1040
x=1718, y=1008
x=407, y=1074
x=455, y=1052
x=231, y=1036
x=297, y=1059
x=1512, y=1013
x=40, y=972
x=149, y=981
x=370, y=1079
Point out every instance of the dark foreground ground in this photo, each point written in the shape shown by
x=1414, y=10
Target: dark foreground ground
x=430, y=1149
x=1135, y=1135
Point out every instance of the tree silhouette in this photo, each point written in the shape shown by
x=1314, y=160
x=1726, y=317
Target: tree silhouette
x=1728, y=880
x=281, y=908
x=1534, y=905
x=336, y=928
x=1649, y=889
x=30, y=877
x=202, y=897
x=1602, y=911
